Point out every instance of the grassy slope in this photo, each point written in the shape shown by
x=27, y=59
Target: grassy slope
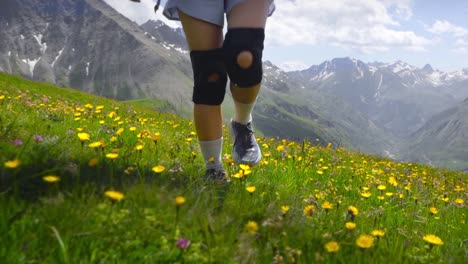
x=72, y=220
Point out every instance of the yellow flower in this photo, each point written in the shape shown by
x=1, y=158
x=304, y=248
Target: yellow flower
x=280, y=148
x=51, y=178
x=327, y=205
x=381, y=187
x=366, y=194
x=155, y=137
x=309, y=210
x=433, y=240
x=139, y=147
x=365, y=241
x=112, y=155
x=11, y=164
x=179, y=200
x=158, y=168
x=433, y=210
x=250, y=189
x=353, y=210
x=83, y=136
x=392, y=180
x=285, y=209
x=132, y=128
x=119, y=131
x=350, y=225
x=332, y=246
x=459, y=201
x=96, y=144
x=115, y=196
x=378, y=233
x=252, y=227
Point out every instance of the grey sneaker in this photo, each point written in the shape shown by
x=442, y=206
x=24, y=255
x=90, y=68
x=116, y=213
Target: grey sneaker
x=217, y=176
x=245, y=149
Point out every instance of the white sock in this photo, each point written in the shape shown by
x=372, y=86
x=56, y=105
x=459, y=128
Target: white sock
x=243, y=112
x=212, y=151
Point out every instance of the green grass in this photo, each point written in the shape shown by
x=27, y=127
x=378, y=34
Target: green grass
x=73, y=221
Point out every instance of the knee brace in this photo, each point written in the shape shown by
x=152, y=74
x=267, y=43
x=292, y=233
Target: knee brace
x=209, y=76
x=243, y=49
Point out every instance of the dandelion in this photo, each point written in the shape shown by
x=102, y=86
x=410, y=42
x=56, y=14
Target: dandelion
x=280, y=148
x=112, y=156
x=114, y=195
x=95, y=144
x=366, y=194
x=350, y=225
x=352, y=210
x=11, y=164
x=365, y=241
x=51, y=179
x=183, y=243
x=381, y=187
x=459, y=201
x=433, y=210
x=252, y=227
x=327, y=206
x=250, y=189
x=433, y=240
x=332, y=246
x=284, y=209
x=83, y=136
x=139, y=147
x=378, y=233
x=132, y=128
x=180, y=200
x=158, y=169
x=309, y=210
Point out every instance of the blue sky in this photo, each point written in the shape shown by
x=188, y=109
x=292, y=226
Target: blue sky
x=302, y=33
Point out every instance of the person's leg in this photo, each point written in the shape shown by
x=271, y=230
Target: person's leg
x=246, y=24
x=205, y=40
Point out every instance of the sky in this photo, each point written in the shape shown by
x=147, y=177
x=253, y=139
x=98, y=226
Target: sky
x=302, y=33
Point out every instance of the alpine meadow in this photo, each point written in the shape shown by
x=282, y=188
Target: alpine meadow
x=84, y=179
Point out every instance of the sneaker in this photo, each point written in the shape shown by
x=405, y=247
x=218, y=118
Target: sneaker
x=245, y=149
x=217, y=176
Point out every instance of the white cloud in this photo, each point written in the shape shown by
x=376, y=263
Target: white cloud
x=293, y=65
x=365, y=25
x=142, y=11
x=461, y=46
x=444, y=27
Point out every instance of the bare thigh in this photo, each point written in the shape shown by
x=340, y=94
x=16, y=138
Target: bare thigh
x=249, y=14
x=201, y=35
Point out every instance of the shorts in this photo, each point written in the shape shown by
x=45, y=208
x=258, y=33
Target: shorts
x=211, y=11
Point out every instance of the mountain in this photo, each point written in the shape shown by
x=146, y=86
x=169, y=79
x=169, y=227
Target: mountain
x=397, y=97
x=443, y=140
x=89, y=46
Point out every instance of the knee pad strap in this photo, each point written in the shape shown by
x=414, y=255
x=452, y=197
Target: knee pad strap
x=237, y=41
x=209, y=76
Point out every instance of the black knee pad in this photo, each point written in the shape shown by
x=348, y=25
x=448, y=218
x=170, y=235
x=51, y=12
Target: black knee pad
x=236, y=41
x=209, y=76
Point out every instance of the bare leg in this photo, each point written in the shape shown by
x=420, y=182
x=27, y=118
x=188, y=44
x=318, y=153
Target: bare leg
x=202, y=35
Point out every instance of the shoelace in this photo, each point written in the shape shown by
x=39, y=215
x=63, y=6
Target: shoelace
x=156, y=7
x=247, y=136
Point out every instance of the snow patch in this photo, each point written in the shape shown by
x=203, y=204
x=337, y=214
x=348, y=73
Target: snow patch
x=39, y=40
x=58, y=56
x=22, y=36
x=322, y=76
x=182, y=50
x=32, y=64
x=9, y=53
x=87, y=68
x=377, y=92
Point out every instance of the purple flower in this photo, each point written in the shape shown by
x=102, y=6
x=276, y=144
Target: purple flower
x=38, y=138
x=183, y=243
x=17, y=142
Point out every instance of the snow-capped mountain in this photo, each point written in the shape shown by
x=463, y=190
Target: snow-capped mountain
x=397, y=96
